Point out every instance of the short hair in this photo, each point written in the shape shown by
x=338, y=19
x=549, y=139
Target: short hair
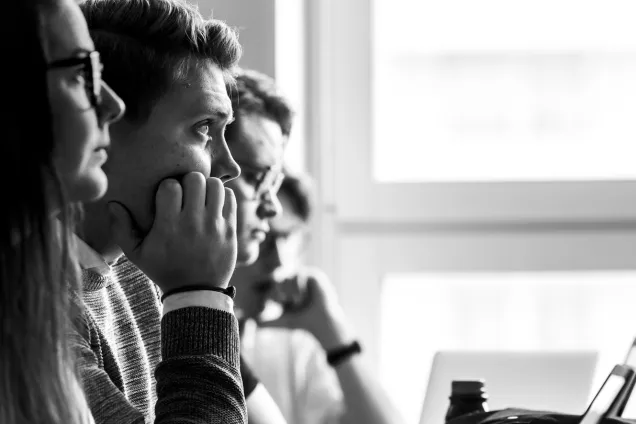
x=256, y=93
x=298, y=190
x=148, y=45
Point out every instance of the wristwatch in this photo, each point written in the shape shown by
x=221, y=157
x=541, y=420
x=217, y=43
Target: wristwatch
x=338, y=355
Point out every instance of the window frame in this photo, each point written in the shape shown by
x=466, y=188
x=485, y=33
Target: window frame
x=340, y=44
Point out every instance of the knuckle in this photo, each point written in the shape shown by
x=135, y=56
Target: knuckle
x=191, y=228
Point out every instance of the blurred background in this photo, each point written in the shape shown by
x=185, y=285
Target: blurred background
x=475, y=166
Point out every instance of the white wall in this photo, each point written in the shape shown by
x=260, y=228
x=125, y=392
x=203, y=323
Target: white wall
x=256, y=23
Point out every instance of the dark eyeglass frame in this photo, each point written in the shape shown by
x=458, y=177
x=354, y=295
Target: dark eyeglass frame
x=92, y=67
x=275, y=177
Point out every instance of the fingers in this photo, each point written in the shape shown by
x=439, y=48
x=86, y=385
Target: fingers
x=168, y=202
x=194, y=192
x=215, y=196
x=229, y=207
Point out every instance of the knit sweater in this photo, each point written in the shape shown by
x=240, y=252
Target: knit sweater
x=138, y=367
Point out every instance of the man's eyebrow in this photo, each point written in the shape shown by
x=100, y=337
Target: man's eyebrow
x=219, y=106
x=222, y=114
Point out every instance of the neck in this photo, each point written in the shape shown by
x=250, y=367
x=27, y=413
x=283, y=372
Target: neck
x=95, y=231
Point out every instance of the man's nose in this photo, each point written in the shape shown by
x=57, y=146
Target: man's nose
x=224, y=166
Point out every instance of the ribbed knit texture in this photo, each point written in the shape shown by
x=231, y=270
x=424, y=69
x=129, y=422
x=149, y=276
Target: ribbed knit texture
x=120, y=343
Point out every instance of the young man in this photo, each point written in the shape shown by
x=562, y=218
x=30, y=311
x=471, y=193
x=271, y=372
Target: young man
x=257, y=139
x=289, y=354
x=167, y=210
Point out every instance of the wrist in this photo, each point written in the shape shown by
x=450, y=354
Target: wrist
x=334, y=332
x=344, y=353
x=229, y=291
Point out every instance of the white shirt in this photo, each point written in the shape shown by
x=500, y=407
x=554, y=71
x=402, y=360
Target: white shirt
x=292, y=366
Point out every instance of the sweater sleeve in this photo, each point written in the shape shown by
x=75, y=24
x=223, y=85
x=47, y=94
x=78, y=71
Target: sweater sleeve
x=198, y=380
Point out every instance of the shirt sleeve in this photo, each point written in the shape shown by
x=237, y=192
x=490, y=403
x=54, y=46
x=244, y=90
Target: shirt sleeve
x=202, y=298
x=321, y=395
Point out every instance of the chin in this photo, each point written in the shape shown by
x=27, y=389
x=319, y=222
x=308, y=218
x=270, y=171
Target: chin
x=89, y=188
x=247, y=253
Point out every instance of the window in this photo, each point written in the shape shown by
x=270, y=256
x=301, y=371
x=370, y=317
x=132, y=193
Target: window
x=450, y=158
x=503, y=91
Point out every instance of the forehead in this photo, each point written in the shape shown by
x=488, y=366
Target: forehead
x=201, y=93
x=66, y=32
x=259, y=140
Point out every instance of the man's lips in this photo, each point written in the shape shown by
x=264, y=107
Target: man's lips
x=260, y=233
x=104, y=145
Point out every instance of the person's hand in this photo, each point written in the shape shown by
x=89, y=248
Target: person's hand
x=193, y=236
x=310, y=303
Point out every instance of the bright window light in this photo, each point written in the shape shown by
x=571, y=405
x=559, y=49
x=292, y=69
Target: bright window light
x=532, y=90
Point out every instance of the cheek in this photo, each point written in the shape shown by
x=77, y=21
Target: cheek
x=74, y=134
x=74, y=129
x=138, y=166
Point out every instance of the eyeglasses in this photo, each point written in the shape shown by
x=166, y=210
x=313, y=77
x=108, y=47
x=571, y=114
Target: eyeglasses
x=264, y=180
x=92, y=68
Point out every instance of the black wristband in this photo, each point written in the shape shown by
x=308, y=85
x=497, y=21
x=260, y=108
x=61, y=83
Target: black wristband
x=229, y=291
x=340, y=354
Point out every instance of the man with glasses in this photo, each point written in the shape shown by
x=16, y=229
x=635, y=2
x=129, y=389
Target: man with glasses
x=257, y=140
x=295, y=334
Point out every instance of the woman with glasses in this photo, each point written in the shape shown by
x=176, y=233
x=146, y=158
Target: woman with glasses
x=55, y=126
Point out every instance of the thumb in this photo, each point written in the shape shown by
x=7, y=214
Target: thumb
x=121, y=227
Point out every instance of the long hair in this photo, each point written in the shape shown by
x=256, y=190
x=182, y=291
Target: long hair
x=37, y=380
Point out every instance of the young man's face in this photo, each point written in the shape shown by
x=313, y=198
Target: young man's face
x=279, y=259
x=257, y=148
x=184, y=133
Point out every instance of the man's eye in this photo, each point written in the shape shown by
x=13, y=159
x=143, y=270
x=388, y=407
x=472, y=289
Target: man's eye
x=204, y=129
x=252, y=177
x=78, y=76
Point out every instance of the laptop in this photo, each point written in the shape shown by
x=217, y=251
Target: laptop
x=548, y=381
